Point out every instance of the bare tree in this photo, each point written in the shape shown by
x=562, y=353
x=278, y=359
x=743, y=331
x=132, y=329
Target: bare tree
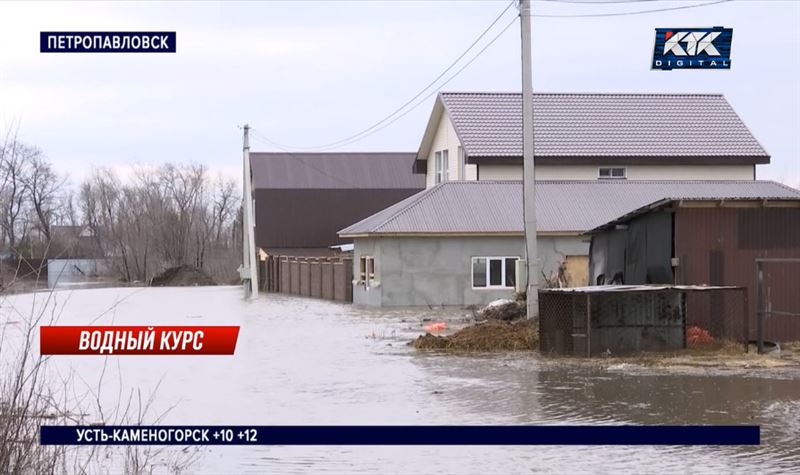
x=15, y=158
x=166, y=216
x=43, y=186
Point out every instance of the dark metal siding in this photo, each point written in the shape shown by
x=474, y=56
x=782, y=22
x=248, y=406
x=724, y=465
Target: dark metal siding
x=720, y=245
x=335, y=170
x=310, y=218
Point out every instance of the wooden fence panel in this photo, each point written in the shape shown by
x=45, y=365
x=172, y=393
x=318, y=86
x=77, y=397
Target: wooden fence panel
x=316, y=278
x=326, y=278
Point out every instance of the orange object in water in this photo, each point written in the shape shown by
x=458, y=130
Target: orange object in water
x=435, y=327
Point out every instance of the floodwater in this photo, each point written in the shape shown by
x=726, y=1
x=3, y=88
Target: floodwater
x=303, y=361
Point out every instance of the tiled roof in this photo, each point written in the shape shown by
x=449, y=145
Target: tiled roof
x=603, y=125
x=562, y=206
x=335, y=170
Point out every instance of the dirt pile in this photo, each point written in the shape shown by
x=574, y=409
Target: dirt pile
x=491, y=335
x=182, y=276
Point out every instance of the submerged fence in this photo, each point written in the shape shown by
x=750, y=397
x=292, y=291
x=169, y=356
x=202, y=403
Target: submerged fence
x=619, y=319
x=329, y=278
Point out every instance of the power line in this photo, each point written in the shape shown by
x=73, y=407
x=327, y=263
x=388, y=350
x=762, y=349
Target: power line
x=394, y=117
x=263, y=138
x=638, y=12
x=407, y=103
x=424, y=99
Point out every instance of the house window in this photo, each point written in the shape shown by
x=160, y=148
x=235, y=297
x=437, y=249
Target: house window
x=370, y=269
x=494, y=272
x=441, y=162
x=366, y=270
x=362, y=277
x=611, y=173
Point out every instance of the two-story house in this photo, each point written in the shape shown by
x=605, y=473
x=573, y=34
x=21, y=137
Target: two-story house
x=598, y=156
x=478, y=136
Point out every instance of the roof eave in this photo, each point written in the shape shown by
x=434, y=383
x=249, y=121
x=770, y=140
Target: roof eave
x=369, y=234
x=697, y=203
x=430, y=129
x=622, y=160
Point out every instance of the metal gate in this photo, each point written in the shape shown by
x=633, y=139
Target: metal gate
x=777, y=300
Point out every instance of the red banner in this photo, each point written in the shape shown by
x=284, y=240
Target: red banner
x=138, y=340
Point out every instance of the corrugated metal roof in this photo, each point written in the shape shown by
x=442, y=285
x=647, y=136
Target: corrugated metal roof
x=335, y=170
x=602, y=125
x=568, y=206
x=671, y=200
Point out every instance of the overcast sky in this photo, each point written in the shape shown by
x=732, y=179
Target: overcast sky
x=309, y=73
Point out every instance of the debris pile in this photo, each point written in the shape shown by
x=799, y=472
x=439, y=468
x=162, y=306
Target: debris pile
x=182, y=276
x=491, y=335
x=502, y=327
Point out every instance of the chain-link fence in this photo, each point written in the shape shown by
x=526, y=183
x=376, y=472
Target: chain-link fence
x=620, y=319
x=777, y=300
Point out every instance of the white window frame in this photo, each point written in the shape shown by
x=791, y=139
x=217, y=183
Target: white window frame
x=441, y=166
x=488, y=259
x=366, y=274
x=611, y=175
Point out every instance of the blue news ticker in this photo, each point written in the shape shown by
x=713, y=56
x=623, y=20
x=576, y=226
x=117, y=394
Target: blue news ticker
x=403, y=435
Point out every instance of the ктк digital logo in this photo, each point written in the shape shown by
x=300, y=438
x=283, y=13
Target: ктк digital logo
x=693, y=48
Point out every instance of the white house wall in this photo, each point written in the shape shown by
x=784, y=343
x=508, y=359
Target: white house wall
x=633, y=172
x=446, y=139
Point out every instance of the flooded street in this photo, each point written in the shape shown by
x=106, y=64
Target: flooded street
x=301, y=361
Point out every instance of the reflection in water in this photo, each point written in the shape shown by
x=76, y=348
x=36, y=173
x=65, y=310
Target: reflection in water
x=303, y=361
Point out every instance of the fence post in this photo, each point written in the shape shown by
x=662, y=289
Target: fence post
x=746, y=309
x=684, y=314
x=588, y=325
x=319, y=267
x=760, y=306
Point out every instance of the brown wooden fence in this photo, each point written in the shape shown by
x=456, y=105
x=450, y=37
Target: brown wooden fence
x=320, y=277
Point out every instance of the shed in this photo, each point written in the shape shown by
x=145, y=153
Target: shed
x=619, y=319
x=712, y=242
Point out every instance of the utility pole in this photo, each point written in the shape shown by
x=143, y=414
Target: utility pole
x=528, y=173
x=249, y=270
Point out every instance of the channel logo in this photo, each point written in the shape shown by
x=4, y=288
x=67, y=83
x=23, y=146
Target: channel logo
x=692, y=48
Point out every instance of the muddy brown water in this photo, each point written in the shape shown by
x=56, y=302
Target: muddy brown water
x=303, y=361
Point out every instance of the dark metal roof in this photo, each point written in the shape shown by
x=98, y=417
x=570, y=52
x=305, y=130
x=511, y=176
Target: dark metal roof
x=665, y=202
x=563, y=206
x=698, y=127
x=335, y=170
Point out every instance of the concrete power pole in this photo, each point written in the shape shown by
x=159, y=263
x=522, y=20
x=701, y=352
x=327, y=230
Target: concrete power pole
x=249, y=269
x=528, y=173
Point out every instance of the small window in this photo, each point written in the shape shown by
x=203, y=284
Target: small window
x=511, y=271
x=363, y=269
x=611, y=173
x=495, y=272
x=498, y=272
x=366, y=270
x=478, y=272
x=441, y=166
